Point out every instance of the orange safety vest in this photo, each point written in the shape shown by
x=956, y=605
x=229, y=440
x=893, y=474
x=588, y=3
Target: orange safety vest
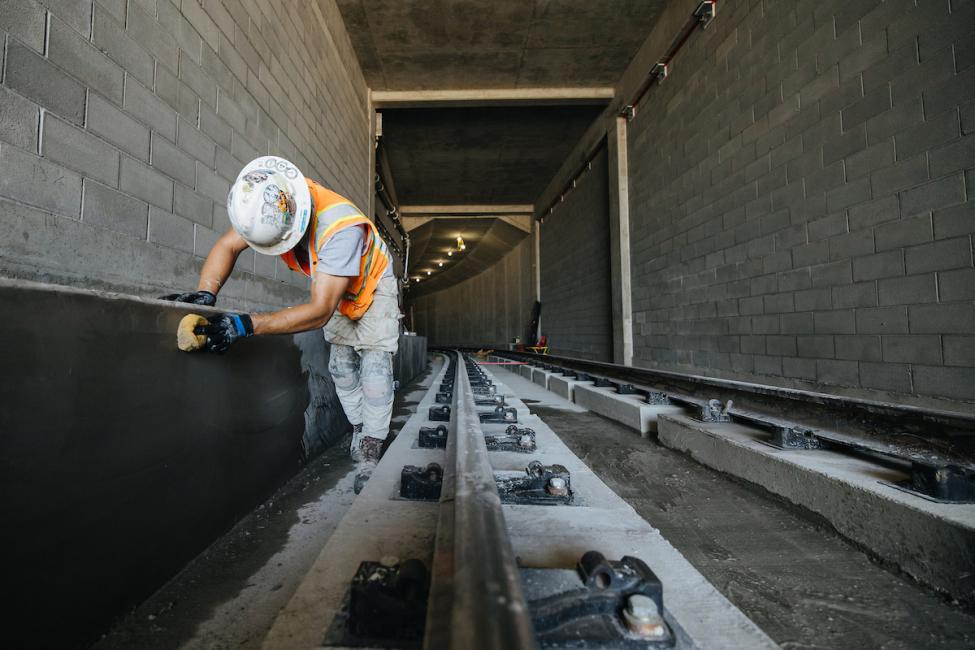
x=335, y=213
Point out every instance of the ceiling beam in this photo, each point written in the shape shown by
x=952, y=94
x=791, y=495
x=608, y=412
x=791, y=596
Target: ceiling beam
x=596, y=95
x=466, y=210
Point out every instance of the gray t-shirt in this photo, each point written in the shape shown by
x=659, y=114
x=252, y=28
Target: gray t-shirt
x=342, y=252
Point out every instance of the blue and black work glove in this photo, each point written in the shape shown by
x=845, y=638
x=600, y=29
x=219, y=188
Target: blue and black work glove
x=224, y=329
x=192, y=297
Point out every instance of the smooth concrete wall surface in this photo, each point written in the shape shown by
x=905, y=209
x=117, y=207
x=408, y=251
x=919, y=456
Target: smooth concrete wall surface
x=122, y=125
x=489, y=309
x=410, y=359
x=121, y=457
x=577, y=311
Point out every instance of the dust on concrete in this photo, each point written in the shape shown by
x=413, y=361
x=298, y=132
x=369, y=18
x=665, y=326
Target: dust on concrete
x=229, y=595
x=797, y=579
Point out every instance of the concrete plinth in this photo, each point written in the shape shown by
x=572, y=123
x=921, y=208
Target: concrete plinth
x=541, y=377
x=933, y=542
x=565, y=386
x=630, y=410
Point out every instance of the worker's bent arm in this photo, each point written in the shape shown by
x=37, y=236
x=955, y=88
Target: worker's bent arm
x=326, y=291
x=220, y=262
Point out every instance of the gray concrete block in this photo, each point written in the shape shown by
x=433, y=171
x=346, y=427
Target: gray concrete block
x=146, y=183
x=882, y=320
x=26, y=21
x=203, y=241
x=851, y=244
x=830, y=275
x=957, y=156
x=115, y=8
x=959, y=351
x=109, y=208
x=541, y=377
x=169, y=159
x=956, y=90
x=630, y=410
x=142, y=28
x=874, y=103
x=957, y=285
x=194, y=142
x=150, y=109
x=118, y=128
x=80, y=150
x=74, y=53
x=865, y=162
x=173, y=21
x=170, y=230
x=196, y=78
x=861, y=294
x=905, y=232
x=212, y=185
x=18, y=120
x=72, y=12
x=941, y=381
x=222, y=17
x=908, y=290
x=40, y=80
x=867, y=215
x=201, y=22
x=38, y=182
x=951, y=318
x=908, y=172
x=912, y=348
x=228, y=109
x=215, y=127
x=109, y=37
x=934, y=132
x=193, y=206
x=882, y=265
x=231, y=57
x=218, y=71
x=178, y=95
x=925, y=539
x=858, y=348
x=564, y=386
x=936, y=194
x=942, y=255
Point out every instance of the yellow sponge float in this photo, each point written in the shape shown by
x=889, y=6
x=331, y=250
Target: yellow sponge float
x=186, y=337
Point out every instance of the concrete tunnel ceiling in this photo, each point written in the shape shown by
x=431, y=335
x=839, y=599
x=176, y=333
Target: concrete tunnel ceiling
x=443, y=44
x=482, y=155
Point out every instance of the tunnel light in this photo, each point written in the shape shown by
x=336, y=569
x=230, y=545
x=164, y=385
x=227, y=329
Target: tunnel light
x=450, y=253
x=460, y=243
x=428, y=272
x=440, y=264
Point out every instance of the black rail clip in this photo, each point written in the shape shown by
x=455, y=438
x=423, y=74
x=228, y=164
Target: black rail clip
x=446, y=387
x=602, y=382
x=484, y=389
x=626, y=389
x=657, y=398
x=444, y=398
x=941, y=482
x=500, y=414
x=539, y=485
x=433, y=437
x=788, y=437
x=439, y=413
x=513, y=439
x=714, y=411
x=421, y=483
x=386, y=607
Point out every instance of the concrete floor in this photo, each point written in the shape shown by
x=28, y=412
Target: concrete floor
x=229, y=596
x=794, y=577
x=797, y=579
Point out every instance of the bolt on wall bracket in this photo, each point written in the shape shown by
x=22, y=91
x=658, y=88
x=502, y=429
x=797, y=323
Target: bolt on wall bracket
x=705, y=13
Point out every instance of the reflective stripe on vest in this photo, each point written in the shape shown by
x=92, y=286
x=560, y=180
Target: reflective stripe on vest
x=337, y=213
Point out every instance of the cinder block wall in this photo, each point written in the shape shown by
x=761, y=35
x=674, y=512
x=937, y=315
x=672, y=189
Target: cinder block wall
x=489, y=309
x=577, y=311
x=801, y=199
x=122, y=125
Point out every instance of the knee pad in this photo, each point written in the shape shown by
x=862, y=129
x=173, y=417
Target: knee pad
x=343, y=365
x=377, y=377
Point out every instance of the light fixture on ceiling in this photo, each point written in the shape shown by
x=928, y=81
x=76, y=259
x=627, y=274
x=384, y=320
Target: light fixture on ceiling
x=450, y=253
x=428, y=272
x=440, y=263
x=460, y=243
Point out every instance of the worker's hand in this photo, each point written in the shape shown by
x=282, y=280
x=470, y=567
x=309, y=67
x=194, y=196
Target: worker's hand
x=224, y=329
x=193, y=297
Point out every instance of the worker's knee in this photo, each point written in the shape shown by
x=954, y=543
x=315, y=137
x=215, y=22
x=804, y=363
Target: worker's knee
x=377, y=377
x=343, y=365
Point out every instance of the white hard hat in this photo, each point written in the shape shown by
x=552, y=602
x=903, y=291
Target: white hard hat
x=269, y=205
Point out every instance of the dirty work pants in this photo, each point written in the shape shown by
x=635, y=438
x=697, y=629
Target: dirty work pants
x=361, y=362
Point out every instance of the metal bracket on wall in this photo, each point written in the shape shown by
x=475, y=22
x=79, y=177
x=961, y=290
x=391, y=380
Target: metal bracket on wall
x=705, y=13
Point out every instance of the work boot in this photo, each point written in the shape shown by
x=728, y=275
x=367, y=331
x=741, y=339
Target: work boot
x=370, y=450
x=356, y=441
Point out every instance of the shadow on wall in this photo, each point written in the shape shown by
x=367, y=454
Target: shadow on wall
x=122, y=458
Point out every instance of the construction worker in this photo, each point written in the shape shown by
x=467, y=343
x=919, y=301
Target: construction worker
x=275, y=210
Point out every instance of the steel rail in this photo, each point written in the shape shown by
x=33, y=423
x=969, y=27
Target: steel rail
x=476, y=600
x=939, y=433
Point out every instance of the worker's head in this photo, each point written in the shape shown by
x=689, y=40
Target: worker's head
x=269, y=205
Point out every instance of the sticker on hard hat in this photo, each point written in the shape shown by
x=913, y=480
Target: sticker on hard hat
x=282, y=166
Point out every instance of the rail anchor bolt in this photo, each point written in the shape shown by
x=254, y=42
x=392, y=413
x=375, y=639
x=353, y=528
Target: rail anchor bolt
x=556, y=487
x=643, y=617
